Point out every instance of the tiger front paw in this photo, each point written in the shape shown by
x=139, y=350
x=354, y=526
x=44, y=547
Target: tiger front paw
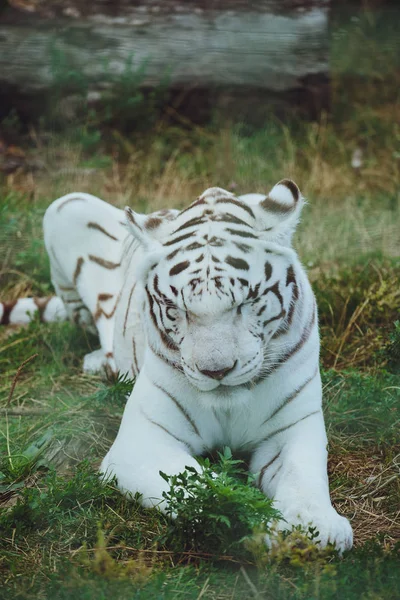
x=331, y=528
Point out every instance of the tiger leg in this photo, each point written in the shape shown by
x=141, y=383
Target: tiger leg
x=150, y=440
x=293, y=471
x=84, y=237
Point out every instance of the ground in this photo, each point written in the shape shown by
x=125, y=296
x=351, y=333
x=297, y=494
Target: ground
x=64, y=533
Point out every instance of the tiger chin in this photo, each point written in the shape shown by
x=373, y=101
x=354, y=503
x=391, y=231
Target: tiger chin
x=210, y=309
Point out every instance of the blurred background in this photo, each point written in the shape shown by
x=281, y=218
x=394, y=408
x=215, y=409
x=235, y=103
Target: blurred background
x=148, y=103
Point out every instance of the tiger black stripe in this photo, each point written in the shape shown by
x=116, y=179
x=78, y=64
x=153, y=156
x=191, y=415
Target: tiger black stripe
x=194, y=246
x=275, y=290
x=292, y=396
x=268, y=270
x=235, y=202
x=226, y=218
x=60, y=206
x=92, y=225
x=7, y=309
x=243, y=282
x=253, y=292
x=41, y=304
x=100, y=312
x=173, y=254
x=281, y=429
x=180, y=408
x=134, y=357
x=243, y=247
x=265, y=467
x=275, y=474
x=171, y=363
x=179, y=268
x=179, y=239
x=178, y=439
x=262, y=309
x=167, y=331
x=104, y=297
x=128, y=307
x=292, y=351
x=303, y=339
x=216, y=241
x=160, y=294
x=237, y=263
x=107, y=264
x=78, y=269
x=197, y=202
x=191, y=223
x=164, y=337
x=241, y=233
x=291, y=278
x=281, y=315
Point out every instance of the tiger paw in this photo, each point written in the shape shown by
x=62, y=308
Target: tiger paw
x=99, y=363
x=329, y=526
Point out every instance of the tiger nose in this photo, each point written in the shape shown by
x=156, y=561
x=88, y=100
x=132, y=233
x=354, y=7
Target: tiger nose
x=220, y=373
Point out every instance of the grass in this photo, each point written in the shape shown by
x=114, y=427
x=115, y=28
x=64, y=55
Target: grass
x=64, y=533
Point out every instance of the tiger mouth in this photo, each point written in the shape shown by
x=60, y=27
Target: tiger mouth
x=232, y=380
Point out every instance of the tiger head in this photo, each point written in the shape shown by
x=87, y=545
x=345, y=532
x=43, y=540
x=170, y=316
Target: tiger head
x=219, y=281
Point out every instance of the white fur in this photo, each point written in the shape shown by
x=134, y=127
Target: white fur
x=176, y=411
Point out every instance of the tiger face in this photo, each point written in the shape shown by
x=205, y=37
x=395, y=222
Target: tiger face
x=218, y=289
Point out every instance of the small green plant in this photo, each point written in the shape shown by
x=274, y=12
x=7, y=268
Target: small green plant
x=114, y=393
x=214, y=511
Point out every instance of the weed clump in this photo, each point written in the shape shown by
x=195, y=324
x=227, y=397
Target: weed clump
x=115, y=393
x=297, y=548
x=56, y=499
x=215, y=511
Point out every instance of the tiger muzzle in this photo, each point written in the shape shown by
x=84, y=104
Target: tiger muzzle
x=219, y=374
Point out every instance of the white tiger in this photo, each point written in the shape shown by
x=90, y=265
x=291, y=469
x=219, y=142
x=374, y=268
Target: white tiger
x=213, y=313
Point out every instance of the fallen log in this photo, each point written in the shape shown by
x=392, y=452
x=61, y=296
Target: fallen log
x=254, y=52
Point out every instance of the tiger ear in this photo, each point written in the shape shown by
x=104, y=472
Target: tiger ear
x=153, y=249
x=278, y=213
x=136, y=226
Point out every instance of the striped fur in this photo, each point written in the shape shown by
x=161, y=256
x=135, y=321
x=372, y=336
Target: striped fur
x=22, y=311
x=213, y=313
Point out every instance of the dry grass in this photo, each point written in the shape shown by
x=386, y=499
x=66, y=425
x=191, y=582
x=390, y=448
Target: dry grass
x=365, y=489
x=350, y=212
